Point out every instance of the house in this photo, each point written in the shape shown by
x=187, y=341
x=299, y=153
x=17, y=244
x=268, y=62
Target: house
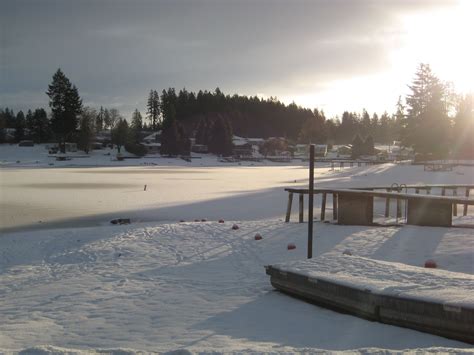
x=302, y=150
x=155, y=137
x=152, y=148
x=243, y=150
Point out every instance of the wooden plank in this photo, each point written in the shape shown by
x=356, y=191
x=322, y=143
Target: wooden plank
x=301, y=208
x=465, y=205
x=387, y=205
x=409, y=196
x=455, y=205
x=288, y=207
x=323, y=207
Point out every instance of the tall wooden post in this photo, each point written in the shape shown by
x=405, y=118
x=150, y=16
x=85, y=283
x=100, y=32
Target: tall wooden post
x=301, y=208
x=310, y=201
x=465, y=205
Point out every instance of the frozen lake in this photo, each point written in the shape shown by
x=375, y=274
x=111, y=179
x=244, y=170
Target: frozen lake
x=86, y=196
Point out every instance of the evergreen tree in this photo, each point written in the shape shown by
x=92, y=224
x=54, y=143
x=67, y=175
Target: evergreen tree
x=220, y=141
x=65, y=105
x=464, y=128
x=10, y=118
x=313, y=130
x=172, y=143
x=136, y=126
x=357, y=146
x=120, y=134
x=153, y=109
x=428, y=123
x=40, y=130
x=20, y=125
x=29, y=122
x=168, y=106
x=86, y=129
x=202, y=131
x=368, y=146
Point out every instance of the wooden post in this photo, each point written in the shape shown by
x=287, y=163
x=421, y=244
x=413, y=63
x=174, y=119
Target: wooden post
x=399, y=206
x=310, y=201
x=341, y=165
x=465, y=205
x=417, y=190
x=428, y=191
x=334, y=206
x=352, y=164
x=323, y=207
x=359, y=164
x=455, y=205
x=332, y=165
x=443, y=191
x=301, y=208
x=288, y=207
x=387, y=206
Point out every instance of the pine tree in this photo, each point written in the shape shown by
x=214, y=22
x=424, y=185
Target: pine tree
x=428, y=124
x=357, y=146
x=40, y=126
x=20, y=125
x=153, y=109
x=65, y=105
x=29, y=122
x=136, y=126
x=220, y=141
x=464, y=128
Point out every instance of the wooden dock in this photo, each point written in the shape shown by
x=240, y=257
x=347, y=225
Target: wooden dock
x=383, y=291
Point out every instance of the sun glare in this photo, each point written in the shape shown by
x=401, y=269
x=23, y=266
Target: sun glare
x=443, y=39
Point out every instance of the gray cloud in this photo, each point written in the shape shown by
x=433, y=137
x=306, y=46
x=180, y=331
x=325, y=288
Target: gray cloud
x=115, y=51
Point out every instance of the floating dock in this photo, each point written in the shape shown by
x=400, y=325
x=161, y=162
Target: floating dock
x=429, y=300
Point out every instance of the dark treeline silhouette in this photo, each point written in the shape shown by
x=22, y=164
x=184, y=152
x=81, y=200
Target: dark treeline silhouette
x=251, y=116
x=432, y=119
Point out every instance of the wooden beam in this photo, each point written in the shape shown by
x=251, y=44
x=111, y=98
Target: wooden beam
x=323, y=207
x=288, y=207
x=301, y=208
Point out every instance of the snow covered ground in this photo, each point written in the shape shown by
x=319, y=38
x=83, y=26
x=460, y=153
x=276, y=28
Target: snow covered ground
x=158, y=285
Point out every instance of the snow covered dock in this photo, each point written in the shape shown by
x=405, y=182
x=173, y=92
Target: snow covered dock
x=434, y=301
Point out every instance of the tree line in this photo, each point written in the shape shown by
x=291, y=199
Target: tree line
x=431, y=119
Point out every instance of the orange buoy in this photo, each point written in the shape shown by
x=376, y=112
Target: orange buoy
x=291, y=246
x=258, y=236
x=431, y=264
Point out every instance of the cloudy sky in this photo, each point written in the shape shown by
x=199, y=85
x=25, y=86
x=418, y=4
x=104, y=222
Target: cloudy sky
x=332, y=54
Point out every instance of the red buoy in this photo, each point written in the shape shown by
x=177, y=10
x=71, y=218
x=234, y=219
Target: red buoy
x=431, y=264
x=182, y=220
x=235, y=227
x=291, y=246
x=258, y=236
x=221, y=221
x=203, y=220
